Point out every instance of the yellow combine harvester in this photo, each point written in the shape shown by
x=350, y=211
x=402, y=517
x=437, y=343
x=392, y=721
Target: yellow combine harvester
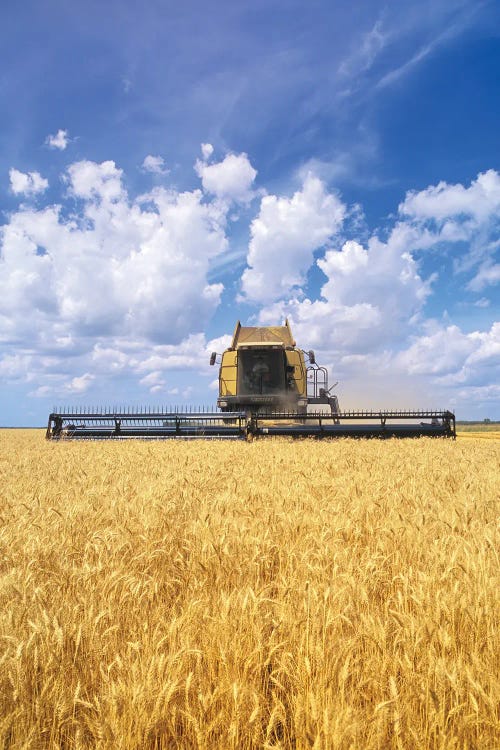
x=264, y=371
x=267, y=386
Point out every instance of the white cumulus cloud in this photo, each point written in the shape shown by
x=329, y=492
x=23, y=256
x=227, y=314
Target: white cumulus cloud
x=440, y=202
x=115, y=267
x=90, y=180
x=368, y=301
x=230, y=179
x=285, y=235
x=154, y=381
x=29, y=183
x=122, y=289
x=438, y=353
x=459, y=214
x=58, y=141
x=80, y=384
x=453, y=357
x=207, y=150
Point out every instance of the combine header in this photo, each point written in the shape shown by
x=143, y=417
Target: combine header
x=267, y=387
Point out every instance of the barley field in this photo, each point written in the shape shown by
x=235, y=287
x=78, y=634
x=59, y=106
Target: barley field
x=272, y=594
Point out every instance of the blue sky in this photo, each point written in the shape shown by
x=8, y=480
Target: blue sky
x=166, y=170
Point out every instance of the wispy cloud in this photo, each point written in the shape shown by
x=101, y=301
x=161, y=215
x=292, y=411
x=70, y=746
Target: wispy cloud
x=452, y=30
x=364, y=54
x=154, y=164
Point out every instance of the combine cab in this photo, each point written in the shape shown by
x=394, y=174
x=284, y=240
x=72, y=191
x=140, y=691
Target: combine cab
x=263, y=371
x=267, y=387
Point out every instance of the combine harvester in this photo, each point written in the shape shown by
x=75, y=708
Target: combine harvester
x=267, y=387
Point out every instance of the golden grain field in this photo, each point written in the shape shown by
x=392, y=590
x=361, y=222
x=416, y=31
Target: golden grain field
x=272, y=594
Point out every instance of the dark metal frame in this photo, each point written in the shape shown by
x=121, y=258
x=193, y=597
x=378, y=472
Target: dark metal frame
x=317, y=388
x=147, y=424
x=161, y=424
x=367, y=424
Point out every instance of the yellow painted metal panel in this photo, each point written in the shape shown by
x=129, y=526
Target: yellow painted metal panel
x=296, y=358
x=262, y=334
x=228, y=374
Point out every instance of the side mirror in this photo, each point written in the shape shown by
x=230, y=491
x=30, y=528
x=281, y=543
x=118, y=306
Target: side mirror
x=213, y=357
x=312, y=358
